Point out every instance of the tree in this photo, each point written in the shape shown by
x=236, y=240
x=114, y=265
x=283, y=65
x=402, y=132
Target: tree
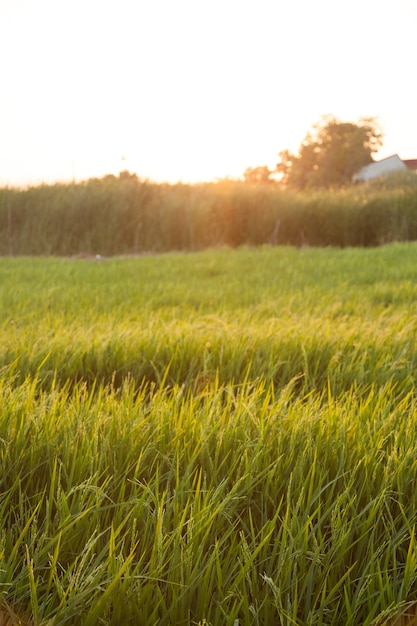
x=331, y=153
x=259, y=174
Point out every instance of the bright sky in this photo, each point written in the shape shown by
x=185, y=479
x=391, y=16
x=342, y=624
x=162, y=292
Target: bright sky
x=194, y=89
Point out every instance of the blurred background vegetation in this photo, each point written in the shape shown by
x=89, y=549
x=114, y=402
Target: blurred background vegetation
x=127, y=215
x=308, y=200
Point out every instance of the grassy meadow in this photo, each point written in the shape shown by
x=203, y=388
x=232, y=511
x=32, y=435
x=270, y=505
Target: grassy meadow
x=226, y=437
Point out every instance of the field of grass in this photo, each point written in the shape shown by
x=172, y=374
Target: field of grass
x=226, y=437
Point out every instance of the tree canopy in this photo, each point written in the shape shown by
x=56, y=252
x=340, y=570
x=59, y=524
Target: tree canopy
x=331, y=153
x=261, y=174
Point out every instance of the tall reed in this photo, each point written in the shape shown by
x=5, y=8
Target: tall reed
x=127, y=215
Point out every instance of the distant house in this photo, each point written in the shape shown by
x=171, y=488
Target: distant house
x=378, y=168
x=411, y=164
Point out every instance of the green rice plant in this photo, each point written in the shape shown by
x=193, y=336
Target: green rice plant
x=331, y=319
x=238, y=504
x=226, y=437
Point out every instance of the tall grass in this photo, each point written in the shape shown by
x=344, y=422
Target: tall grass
x=219, y=438
x=126, y=215
x=244, y=505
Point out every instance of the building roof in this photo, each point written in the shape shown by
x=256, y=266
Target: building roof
x=378, y=168
x=411, y=163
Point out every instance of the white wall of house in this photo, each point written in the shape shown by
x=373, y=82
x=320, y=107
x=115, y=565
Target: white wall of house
x=390, y=164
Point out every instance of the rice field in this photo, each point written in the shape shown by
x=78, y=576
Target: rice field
x=225, y=437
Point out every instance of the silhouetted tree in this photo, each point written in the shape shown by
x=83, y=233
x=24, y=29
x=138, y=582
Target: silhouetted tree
x=259, y=174
x=331, y=153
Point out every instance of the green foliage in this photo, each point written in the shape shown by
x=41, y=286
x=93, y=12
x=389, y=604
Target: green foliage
x=399, y=180
x=270, y=313
x=209, y=438
x=223, y=506
x=331, y=154
x=258, y=175
x=126, y=215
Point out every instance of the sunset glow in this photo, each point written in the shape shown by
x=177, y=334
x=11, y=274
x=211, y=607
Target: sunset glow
x=193, y=90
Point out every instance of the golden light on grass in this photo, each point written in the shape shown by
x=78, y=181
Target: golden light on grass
x=407, y=618
x=149, y=478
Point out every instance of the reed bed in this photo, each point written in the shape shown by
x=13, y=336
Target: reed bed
x=127, y=215
x=226, y=438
